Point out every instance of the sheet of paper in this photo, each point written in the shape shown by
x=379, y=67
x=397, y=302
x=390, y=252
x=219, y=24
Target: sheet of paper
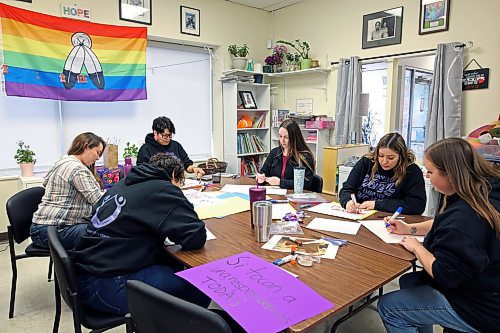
x=265, y=292
x=344, y=227
x=379, y=229
x=210, y=235
x=280, y=210
x=244, y=189
x=188, y=182
x=225, y=207
x=200, y=199
x=318, y=247
x=335, y=209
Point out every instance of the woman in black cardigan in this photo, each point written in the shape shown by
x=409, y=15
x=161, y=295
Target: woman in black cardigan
x=292, y=152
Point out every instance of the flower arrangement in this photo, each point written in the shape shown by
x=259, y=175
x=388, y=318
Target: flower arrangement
x=238, y=51
x=302, y=47
x=24, y=155
x=279, y=52
x=130, y=150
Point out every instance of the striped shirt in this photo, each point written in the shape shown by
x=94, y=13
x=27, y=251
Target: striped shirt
x=70, y=192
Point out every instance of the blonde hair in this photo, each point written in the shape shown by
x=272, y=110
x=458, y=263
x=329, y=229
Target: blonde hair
x=395, y=142
x=468, y=173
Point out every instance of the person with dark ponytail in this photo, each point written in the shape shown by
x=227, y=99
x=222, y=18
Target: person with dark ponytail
x=458, y=287
x=385, y=180
x=71, y=189
x=292, y=151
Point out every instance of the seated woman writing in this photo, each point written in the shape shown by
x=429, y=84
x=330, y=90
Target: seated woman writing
x=71, y=189
x=458, y=287
x=385, y=180
x=292, y=152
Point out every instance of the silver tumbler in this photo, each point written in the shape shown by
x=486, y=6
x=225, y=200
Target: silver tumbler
x=262, y=218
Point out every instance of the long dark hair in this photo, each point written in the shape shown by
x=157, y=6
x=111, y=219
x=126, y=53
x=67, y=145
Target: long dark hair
x=395, y=142
x=298, y=148
x=468, y=173
x=84, y=141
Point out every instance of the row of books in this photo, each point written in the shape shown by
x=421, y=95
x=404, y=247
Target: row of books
x=259, y=121
x=250, y=165
x=249, y=144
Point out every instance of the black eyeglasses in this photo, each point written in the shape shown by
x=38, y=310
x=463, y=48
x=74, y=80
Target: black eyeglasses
x=166, y=135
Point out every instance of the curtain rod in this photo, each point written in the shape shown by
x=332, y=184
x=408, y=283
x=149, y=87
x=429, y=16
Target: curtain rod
x=397, y=54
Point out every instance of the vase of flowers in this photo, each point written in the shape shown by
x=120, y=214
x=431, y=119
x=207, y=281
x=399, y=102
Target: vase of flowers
x=239, y=54
x=25, y=157
x=276, y=59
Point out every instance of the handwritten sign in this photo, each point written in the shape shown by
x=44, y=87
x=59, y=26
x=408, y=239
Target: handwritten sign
x=258, y=295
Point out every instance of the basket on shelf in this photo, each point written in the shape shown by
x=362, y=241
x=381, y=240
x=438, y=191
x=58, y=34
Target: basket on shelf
x=212, y=166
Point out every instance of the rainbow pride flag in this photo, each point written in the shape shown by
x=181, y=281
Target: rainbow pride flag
x=45, y=56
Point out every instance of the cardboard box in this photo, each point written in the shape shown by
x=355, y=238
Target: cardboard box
x=320, y=124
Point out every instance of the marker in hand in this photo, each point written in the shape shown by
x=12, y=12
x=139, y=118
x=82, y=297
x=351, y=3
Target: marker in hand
x=353, y=198
x=394, y=216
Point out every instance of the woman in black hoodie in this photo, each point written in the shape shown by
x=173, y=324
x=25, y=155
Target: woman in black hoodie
x=459, y=287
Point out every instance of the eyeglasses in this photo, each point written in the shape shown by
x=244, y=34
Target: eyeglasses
x=166, y=135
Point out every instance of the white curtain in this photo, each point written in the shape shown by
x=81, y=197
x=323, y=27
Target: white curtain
x=347, y=119
x=445, y=109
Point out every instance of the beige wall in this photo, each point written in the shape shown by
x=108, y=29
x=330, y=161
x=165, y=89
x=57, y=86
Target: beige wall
x=221, y=23
x=334, y=28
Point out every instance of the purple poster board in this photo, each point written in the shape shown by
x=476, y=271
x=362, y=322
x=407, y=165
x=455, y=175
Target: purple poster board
x=260, y=296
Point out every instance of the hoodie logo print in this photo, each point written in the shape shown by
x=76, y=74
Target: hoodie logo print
x=119, y=201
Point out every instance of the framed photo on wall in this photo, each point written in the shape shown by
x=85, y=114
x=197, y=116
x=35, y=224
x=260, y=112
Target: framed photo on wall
x=247, y=99
x=190, y=21
x=382, y=28
x=138, y=11
x=434, y=16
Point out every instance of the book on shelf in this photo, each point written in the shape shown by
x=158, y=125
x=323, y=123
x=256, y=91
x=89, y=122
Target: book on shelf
x=279, y=116
x=259, y=120
x=249, y=144
x=250, y=165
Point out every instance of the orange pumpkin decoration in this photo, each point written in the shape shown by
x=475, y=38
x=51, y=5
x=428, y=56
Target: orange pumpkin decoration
x=245, y=122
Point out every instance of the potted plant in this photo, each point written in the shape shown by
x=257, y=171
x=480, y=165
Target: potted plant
x=131, y=151
x=302, y=47
x=25, y=157
x=239, y=54
x=292, y=62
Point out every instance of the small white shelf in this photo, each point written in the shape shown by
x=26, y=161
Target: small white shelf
x=312, y=142
x=253, y=154
x=301, y=71
x=252, y=128
x=252, y=110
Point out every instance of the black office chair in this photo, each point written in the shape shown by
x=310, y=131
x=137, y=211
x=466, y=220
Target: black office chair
x=20, y=209
x=66, y=284
x=317, y=184
x=154, y=311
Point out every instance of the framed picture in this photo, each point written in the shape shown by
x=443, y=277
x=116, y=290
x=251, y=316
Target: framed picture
x=382, y=28
x=190, y=21
x=434, y=16
x=25, y=1
x=138, y=11
x=247, y=99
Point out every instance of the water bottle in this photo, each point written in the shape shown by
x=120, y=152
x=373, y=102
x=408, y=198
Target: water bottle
x=128, y=166
x=250, y=65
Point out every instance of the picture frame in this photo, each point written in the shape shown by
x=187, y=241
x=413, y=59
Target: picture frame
x=190, y=21
x=247, y=100
x=138, y=11
x=434, y=16
x=382, y=28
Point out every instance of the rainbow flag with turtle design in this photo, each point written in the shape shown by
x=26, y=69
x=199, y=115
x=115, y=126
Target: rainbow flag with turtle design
x=45, y=56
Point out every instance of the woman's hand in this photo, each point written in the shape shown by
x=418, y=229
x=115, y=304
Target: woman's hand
x=261, y=178
x=275, y=181
x=198, y=172
x=397, y=226
x=350, y=207
x=367, y=205
x=410, y=243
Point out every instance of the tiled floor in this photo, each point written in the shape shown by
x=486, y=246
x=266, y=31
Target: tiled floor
x=34, y=310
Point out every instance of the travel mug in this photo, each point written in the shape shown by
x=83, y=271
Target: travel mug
x=298, y=179
x=256, y=194
x=262, y=218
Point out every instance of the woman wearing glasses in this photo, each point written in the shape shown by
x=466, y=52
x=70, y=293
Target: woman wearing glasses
x=160, y=141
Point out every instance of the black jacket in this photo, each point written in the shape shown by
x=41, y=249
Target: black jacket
x=132, y=220
x=467, y=265
x=274, y=163
x=410, y=194
x=151, y=147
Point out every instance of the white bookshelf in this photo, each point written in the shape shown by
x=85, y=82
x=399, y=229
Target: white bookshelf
x=232, y=113
x=322, y=139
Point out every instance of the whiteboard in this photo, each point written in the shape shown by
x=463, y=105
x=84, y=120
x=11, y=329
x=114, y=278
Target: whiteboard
x=178, y=86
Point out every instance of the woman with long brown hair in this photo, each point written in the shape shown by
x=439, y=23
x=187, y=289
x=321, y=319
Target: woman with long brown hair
x=292, y=152
x=459, y=285
x=70, y=192
x=385, y=180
